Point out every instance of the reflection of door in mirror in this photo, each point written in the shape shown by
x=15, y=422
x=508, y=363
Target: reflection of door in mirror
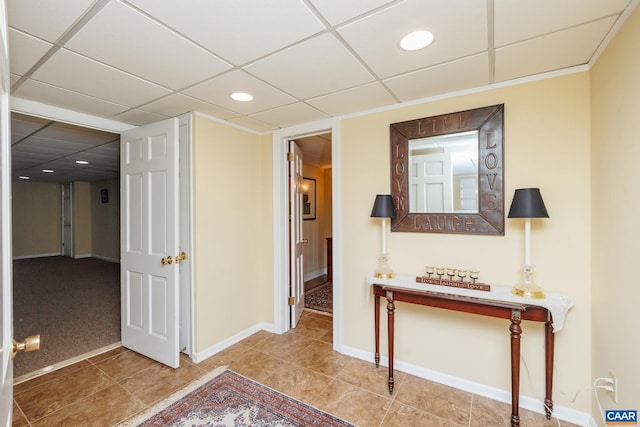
x=443, y=173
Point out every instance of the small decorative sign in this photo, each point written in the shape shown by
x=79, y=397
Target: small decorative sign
x=454, y=283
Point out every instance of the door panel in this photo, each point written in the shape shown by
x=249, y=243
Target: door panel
x=6, y=328
x=296, y=239
x=149, y=218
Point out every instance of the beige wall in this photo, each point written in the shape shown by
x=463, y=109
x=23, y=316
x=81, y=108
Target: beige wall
x=36, y=218
x=313, y=230
x=615, y=110
x=105, y=220
x=81, y=219
x=231, y=223
x=547, y=146
x=328, y=202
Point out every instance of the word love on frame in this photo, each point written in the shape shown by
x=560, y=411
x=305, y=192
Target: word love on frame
x=485, y=214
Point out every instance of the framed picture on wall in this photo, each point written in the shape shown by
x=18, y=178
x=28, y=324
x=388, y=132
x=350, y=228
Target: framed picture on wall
x=308, y=198
x=104, y=195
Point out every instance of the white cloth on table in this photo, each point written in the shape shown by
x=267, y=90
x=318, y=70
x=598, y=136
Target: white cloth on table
x=557, y=304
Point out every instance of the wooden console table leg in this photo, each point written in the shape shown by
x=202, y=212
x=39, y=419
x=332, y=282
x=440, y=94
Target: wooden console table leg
x=376, y=321
x=548, y=350
x=516, y=332
x=390, y=321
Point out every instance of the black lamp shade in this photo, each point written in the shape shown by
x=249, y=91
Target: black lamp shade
x=527, y=203
x=383, y=207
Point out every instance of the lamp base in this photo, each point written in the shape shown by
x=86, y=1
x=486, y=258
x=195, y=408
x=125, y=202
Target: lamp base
x=383, y=271
x=384, y=274
x=528, y=288
x=534, y=292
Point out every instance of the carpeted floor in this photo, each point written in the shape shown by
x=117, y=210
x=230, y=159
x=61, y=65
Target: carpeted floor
x=320, y=298
x=74, y=304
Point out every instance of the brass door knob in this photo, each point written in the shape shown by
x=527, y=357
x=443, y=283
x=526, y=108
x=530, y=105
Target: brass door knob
x=304, y=240
x=167, y=260
x=31, y=343
x=181, y=257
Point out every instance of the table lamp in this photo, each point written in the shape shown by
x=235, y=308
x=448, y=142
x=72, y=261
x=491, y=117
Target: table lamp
x=527, y=203
x=383, y=208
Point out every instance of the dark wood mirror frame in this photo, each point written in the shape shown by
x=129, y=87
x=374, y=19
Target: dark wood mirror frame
x=489, y=220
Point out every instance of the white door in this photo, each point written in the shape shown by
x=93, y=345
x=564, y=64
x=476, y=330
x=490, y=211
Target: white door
x=296, y=241
x=6, y=329
x=149, y=236
x=431, y=188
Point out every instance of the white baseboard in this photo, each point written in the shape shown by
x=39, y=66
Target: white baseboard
x=214, y=349
x=314, y=274
x=79, y=256
x=37, y=255
x=535, y=405
x=105, y=258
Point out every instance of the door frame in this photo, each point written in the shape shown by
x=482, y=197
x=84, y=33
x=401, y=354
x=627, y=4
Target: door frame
x=67, y=215
x=280, y=146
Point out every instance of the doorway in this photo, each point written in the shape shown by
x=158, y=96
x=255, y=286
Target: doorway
x=317, y=222
x=103, y=196
x=281, y=261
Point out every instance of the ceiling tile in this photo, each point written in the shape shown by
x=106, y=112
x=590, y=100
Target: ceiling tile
x=82, y=75
x=217, y=90
x=70, y=133
x=56, y=96
x=177, y=104
x=290, y=115
x=578, y=45
x=460, y=29
x=23, y=125
x=45, y=19
x=315, y=67
x=449, y=77
x=338, y=12
x=361, y=98
x=51, y=146
x=25, y=51
x=517, y=20
x=144, y=48
x=239, y=31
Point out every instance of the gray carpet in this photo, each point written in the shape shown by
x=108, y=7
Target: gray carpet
x=74, y=304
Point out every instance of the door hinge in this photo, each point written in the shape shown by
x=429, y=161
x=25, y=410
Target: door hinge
x=290, y=156
x=292, y=300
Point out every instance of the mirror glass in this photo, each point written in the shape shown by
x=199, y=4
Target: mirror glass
x=447, y=173
x=443, y=173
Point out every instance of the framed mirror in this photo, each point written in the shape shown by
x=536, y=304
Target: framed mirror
x=447, y=173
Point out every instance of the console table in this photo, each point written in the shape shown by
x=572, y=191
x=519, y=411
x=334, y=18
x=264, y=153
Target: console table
x=497, y=303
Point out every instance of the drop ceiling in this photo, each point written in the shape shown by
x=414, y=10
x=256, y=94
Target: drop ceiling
x=140, y=61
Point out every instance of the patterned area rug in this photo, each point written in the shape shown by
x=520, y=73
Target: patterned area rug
x=320, y=298
x=229, y=399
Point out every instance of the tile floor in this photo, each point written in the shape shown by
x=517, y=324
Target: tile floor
x=114, y=386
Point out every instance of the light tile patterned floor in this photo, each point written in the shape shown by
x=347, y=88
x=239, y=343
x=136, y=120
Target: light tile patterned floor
x=114, y=386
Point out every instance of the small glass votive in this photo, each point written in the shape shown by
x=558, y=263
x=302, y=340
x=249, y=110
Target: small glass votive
x=474, y=275
x=428, y=270
x=462, y=274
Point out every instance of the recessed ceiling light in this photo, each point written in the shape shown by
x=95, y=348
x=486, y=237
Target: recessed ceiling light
x=24, y=177
x=416, y=40
x=47, y=170
x=241, y=96
x=82, y=162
